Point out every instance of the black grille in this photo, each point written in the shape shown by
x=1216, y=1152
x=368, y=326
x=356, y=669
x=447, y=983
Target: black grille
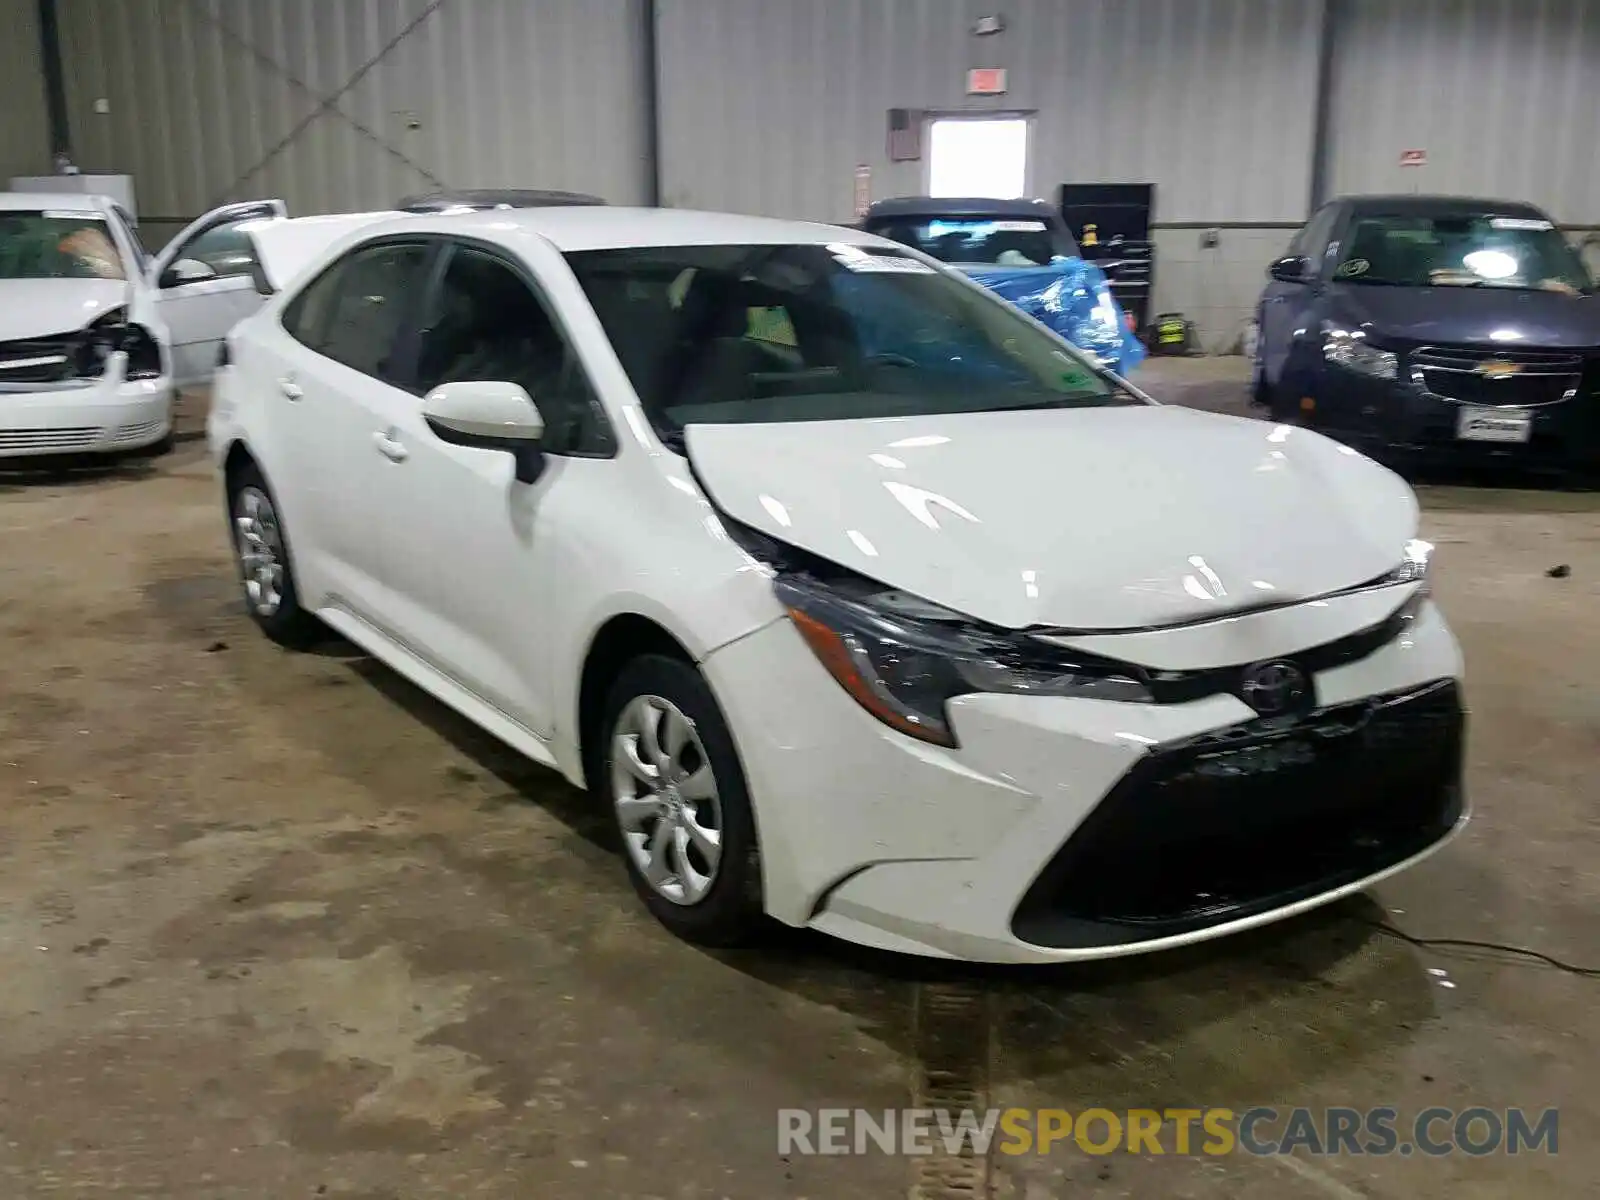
x=1511, y=378
x=1254, y=817
x=1182, y=687
x=39, y=360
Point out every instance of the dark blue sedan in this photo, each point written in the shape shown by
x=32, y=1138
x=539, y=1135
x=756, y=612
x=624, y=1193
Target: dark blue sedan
x=1430, y=327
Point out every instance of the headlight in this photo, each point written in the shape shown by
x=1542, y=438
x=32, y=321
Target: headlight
x=112, y=333
x=902, y=658
x=1416, y=565
x=1350, y=350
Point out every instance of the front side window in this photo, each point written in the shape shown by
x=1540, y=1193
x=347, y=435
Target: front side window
x=725, y=334
x=225, y=249
x=355, y=311
x=1000, y=241
x=47, y=244
x=1477, y=250
x=485, y=323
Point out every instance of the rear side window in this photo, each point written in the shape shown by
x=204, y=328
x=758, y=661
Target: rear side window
x=1000, y=241
x=355, y=311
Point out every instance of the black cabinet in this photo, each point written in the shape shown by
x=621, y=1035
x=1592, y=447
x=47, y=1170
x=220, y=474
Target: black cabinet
x=1112, y=222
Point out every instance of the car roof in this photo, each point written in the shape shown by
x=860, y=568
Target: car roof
x=494, y=198
x=959, y=206
x=287, y=247
x=1464, y=206
x=574, y=227
x=61, y=201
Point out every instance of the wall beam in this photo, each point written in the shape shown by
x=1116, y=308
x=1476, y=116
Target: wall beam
x=1322, y=105
x=652, y=104
x=55, y=87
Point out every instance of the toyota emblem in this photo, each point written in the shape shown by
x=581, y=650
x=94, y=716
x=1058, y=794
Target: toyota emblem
x=1274, y=688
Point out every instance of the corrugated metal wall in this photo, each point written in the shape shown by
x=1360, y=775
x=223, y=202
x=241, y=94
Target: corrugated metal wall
x=24, y=138
x=1504, y=95
x=212, y=100
x=769, y=105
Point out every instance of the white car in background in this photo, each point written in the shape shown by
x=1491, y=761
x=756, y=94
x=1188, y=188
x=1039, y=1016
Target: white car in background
x=95, y=335
x=860, y=598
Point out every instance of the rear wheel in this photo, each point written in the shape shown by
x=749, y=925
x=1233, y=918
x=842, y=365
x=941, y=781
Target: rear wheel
x=678, y=794
x=261, y=550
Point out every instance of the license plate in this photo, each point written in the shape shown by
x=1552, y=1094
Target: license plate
x=1494, y=424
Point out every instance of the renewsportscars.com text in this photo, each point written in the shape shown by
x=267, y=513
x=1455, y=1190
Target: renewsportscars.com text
x=1260, y=1130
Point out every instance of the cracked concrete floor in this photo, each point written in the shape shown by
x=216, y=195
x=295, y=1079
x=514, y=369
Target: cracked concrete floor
x=281, y=926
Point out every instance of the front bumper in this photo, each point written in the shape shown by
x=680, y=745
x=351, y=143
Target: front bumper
x=1067, y=829
x=101, y=416
x=1400, y=420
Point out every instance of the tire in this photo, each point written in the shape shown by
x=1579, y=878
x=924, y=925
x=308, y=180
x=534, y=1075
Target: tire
x=269, y=590
x=1260, y=389
x=664, y=829
x=1260, y=392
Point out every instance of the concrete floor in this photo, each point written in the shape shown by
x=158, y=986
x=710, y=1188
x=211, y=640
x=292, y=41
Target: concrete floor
x=280, y=926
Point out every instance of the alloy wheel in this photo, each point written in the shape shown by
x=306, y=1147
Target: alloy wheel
x=666, y=799
x=259, y=544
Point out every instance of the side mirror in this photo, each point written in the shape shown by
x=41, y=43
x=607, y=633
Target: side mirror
x=185, y=270
x=489, y=415
x=1293, y=269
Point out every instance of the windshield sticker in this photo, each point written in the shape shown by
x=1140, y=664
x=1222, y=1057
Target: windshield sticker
x=1521, y=223
x=1017, y=226
x=1356, y=266
x=854, y=258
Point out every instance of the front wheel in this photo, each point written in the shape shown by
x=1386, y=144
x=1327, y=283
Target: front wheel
x=681, y=805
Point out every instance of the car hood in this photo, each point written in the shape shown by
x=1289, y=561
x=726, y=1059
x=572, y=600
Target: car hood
x=1109, y=518
x=1496, y=317
x=38, y=307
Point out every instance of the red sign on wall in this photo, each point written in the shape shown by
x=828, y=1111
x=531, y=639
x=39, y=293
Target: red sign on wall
x=986, y=81
x=1413, y=158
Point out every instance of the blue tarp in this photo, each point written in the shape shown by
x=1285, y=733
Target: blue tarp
x=1072, y=297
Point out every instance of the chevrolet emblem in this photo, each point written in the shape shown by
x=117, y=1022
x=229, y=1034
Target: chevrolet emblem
x=1499, y=369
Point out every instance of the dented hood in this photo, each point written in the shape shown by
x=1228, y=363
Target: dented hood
x=1107, y=518
x=32, y=308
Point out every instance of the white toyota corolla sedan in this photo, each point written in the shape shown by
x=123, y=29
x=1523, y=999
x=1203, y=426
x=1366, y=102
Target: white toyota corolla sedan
x=860, y=598
x=96, y=334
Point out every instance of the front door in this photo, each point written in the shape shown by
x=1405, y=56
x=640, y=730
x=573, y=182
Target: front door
x=204, y=285
x=466, y=535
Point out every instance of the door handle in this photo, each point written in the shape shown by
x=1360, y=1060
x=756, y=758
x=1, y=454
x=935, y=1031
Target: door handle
x=290, y=388
x=389, y=448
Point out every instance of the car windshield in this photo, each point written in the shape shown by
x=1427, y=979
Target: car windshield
x=732, y=334
x=1480, y=250
x=57, y=245
x=1000, y=241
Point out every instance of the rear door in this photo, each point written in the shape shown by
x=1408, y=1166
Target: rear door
x=204, y=284
x=331, y=383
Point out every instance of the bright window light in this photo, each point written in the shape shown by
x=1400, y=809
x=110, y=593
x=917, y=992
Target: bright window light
x=978, y=158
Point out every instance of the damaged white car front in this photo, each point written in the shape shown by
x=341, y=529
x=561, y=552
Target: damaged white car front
x=95, y=338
